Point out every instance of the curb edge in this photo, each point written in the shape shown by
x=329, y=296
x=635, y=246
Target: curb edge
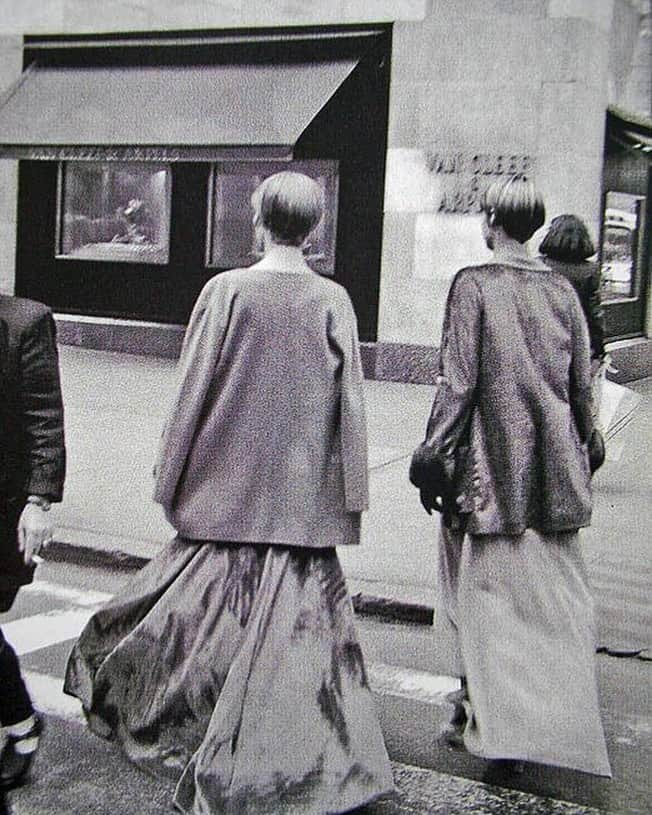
x=388, y=609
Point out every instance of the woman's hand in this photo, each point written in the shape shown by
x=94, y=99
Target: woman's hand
x=430, y=501
x=34, y=531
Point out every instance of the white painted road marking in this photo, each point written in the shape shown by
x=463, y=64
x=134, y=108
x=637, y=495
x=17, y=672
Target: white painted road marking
x=48, y=696
x=78, y=597
x=43, y=630
x=421, y=686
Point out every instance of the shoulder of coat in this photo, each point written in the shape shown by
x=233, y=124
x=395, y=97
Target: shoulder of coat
x=478, y=272
x=574, y=272
x=562, y=275
x=221, y=281
x=20, y=313
x=472, y=276
x=333, y=290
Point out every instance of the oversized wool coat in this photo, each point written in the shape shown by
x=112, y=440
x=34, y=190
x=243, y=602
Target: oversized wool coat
x=266, y=439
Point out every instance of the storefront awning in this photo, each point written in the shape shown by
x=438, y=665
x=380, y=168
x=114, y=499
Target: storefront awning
x=166, y=113
x=633, y=131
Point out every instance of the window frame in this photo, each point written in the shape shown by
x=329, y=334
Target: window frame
x=64, y=165
x=324, y=263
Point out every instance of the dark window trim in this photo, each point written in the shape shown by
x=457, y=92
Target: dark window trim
x=351, y=128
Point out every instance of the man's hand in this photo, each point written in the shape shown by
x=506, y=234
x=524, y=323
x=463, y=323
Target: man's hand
x=34, y=530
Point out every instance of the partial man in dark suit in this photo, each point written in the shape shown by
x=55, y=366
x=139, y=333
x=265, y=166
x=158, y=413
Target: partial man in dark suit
x=32, y=469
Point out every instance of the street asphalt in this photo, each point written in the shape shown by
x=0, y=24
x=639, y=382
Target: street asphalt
x=95, y=777
x=115, y=406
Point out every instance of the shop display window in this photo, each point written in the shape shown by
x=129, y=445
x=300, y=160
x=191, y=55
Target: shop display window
x=232, y=239
x=114, y=211
x=622, y=228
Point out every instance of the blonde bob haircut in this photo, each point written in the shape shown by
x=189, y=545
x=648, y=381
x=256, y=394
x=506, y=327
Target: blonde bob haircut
x=516, y=206
x=289, y=205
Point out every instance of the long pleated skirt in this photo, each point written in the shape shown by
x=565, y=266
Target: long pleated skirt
x=236, y=671
x=522, y=622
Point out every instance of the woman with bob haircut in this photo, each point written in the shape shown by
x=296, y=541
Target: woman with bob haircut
x=506, y=461
x=231, y=663
x=567, y=248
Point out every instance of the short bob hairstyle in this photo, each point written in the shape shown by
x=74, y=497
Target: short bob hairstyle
x=567, y=240
x=289, y=205
x=516, y=206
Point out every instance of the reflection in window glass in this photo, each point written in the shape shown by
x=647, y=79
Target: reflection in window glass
x=232, y=238
x=620, y=237
x=110, y=211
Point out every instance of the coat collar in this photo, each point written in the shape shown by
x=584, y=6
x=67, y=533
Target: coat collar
x=520, y=261
x=285, y=259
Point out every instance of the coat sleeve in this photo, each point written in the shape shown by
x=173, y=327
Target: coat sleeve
x=353, y=422
x=42, y=409
x=200, y=353
x=580, y=393
x=595, y=314
x=456, y=383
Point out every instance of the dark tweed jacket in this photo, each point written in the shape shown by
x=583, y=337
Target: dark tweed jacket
x=32, y=452
x=512, y=413
x=585, y=279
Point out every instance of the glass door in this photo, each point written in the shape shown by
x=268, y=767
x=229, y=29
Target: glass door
x=624, y=257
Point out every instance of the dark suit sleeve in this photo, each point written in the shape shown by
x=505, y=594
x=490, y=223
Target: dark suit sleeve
x=42, y=409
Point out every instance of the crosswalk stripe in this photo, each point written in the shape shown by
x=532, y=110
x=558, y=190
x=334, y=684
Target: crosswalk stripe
x=386, y=680
x=29, y=634
x=48, y=696
x=408, y=683
x=79, y=597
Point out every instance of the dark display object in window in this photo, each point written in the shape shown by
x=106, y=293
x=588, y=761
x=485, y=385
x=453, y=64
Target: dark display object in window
x=350, y=129
x=232, y=241
x=114, y=212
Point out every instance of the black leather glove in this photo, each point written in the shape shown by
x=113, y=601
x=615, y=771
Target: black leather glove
x=597, y=450
x=429, y=501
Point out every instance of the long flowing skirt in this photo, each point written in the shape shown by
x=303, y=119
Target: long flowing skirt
x=523, y=618
x=236, y=670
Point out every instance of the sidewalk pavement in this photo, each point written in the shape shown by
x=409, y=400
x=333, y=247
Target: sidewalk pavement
x=77, y=773
x=115, y=406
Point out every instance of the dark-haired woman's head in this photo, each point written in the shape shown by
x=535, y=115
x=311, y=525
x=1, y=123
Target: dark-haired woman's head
x=515, y=205
x=289, y=206
x=567, y=240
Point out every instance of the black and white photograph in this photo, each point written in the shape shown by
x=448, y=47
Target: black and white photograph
x=326, y=407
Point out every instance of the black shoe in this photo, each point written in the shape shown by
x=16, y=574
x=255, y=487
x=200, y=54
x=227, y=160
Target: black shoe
x=14, y=765
x=453, y=734
x=503, y=772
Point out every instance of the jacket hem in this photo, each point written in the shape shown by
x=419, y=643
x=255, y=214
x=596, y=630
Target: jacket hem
x=217, y=537
x=519, y=530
